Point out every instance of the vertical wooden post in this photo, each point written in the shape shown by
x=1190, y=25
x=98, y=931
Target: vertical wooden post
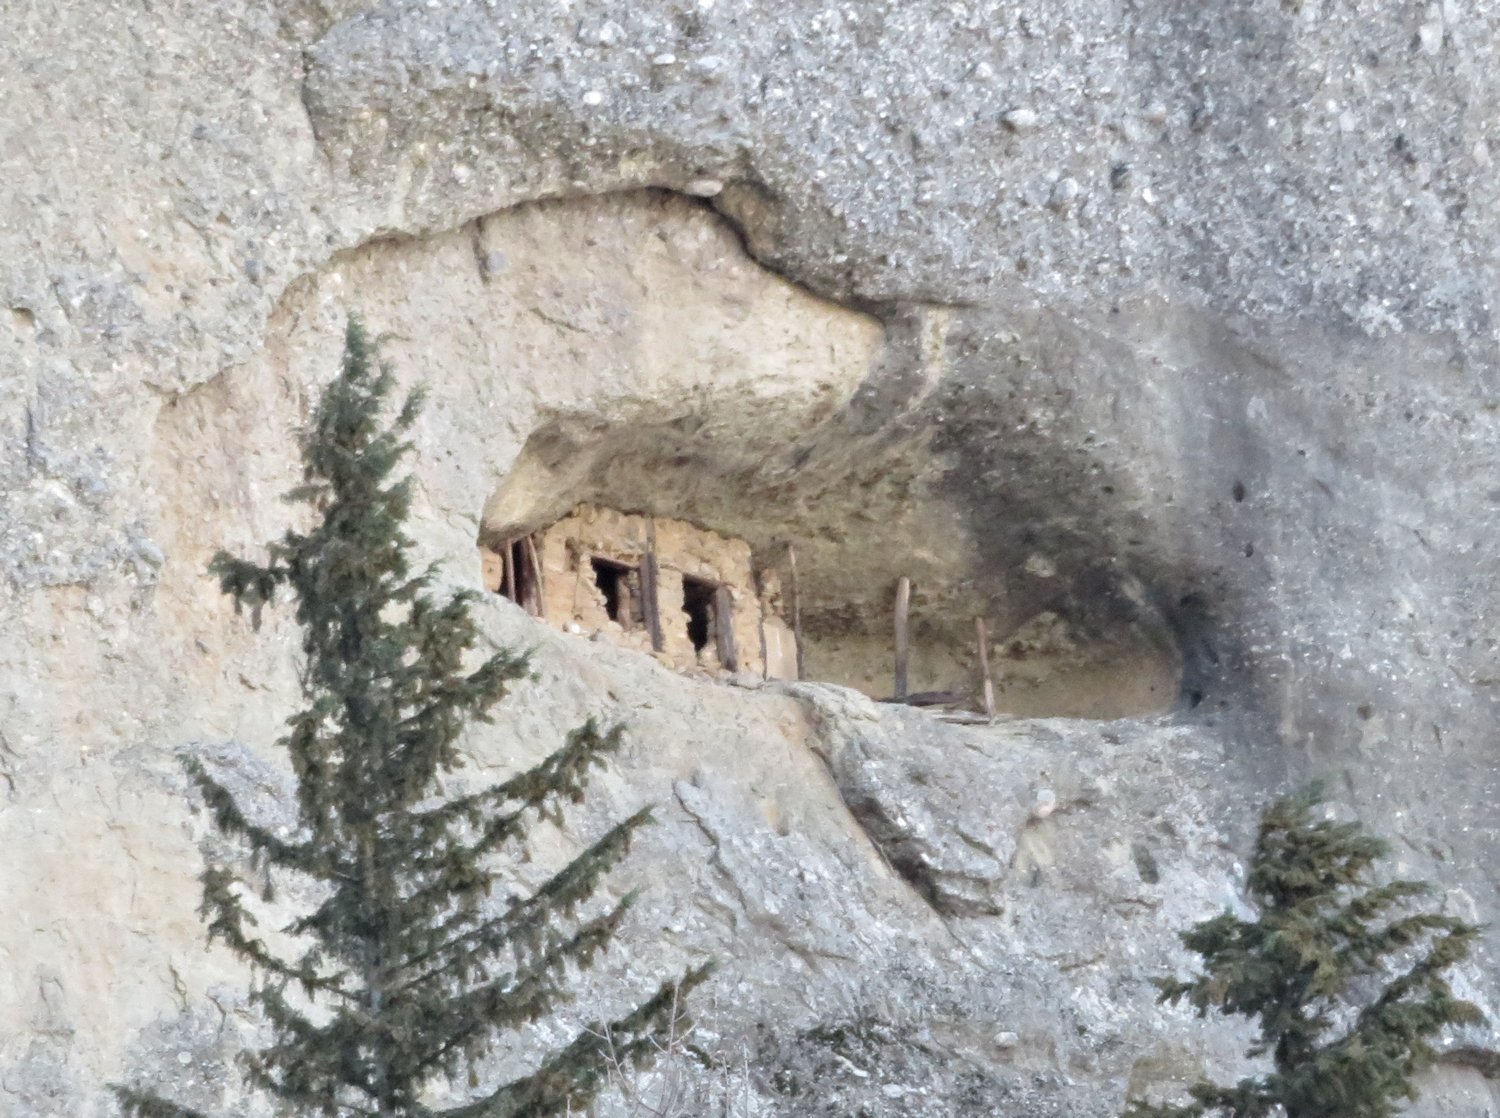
x=791, y=554
x=580, y=561
x=903, y=609
x=760, y=624
x=538, y=580
x=508, y=558
x=724, y=629
x=650, y=604
x=984, y=664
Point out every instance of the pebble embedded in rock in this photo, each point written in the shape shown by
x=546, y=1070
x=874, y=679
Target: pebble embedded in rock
x=1020, y=121
x=1064, y=194
x=711, y=67
x=1044, y=803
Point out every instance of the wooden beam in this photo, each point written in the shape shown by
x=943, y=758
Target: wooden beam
x=791, y=554
x=508, y=558
x=538, y=582
x=760, y=623
x=984, y=664
x=724, y=629
x=650, y=602
x=903, y=610
x=580, y=564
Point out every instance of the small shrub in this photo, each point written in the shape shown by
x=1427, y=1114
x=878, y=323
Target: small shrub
x=1347, y=981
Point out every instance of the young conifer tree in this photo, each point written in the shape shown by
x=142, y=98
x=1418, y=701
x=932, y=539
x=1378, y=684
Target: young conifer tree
x=410, y=967
x=1347, y=981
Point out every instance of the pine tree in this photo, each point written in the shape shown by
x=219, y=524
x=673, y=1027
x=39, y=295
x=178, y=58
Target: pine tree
x=412, y=969
x=1347, y=981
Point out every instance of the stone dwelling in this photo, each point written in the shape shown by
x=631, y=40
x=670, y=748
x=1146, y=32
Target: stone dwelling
x=597, y=572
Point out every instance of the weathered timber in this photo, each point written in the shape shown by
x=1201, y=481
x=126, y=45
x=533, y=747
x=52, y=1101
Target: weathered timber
x=760, y=625
x=791, y=555
x=903, y=610
x=538, y=583
x=650, y=599
x=724, y=629
x=984, y=665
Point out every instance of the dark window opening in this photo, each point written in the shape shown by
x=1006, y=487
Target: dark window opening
x=710, y=610
x=621, y=587
x=698, y=603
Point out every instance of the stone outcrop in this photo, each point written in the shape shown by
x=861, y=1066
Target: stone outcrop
x=944, y=937
x=1159, y=335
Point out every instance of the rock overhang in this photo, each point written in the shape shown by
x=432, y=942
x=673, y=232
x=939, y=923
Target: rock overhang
x=622, y=351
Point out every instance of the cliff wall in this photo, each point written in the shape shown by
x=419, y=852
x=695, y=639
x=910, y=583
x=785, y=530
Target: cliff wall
x=1160, y=334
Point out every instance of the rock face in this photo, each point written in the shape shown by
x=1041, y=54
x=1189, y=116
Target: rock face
x=1159, y=335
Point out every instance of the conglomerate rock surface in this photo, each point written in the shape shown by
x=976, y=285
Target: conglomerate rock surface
x=1169, y=321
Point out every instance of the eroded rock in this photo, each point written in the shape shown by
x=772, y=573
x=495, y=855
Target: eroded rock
x=1226, y=415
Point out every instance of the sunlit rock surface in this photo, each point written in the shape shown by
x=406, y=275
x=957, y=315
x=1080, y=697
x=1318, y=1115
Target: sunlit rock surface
x=1159, y=336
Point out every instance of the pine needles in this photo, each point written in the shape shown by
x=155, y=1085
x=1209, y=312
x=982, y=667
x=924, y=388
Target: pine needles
x=1311, y=969
x=414, y=970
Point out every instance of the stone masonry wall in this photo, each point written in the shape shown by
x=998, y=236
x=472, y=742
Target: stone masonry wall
x=573, y=601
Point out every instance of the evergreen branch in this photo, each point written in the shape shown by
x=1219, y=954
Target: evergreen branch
x=1426, y=974
x=1322, y=924
x=520, y=998
x=308, y=1063
x=230, y=820
x=148, y=1104
x=563, y=891
x=227, y=921
x=457, y=871
x=249, y=584
x=1250, y=1098
x=561, y=775
x=572, y=1077
x=403, y=977
x=1399, y=934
